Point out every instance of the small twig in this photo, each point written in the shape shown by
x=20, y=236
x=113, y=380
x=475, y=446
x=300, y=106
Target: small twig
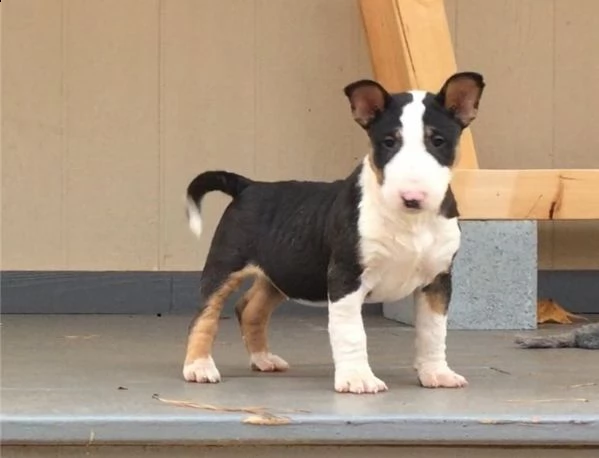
x=581, y=385
x=92, y=436
x=193, y=405
x=501, y=371
x=252, y=410
x=548, y=400
x=86, y=337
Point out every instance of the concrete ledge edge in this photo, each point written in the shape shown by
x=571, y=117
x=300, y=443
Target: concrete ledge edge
x=304, y=429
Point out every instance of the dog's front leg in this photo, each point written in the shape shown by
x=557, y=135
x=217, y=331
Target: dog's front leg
x=432, y=303
x=348, y=341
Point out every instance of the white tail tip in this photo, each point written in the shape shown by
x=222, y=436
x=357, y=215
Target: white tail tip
x=194, y=217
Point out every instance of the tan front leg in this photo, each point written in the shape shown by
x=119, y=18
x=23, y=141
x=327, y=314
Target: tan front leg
x=432, y=304
x=253, y=312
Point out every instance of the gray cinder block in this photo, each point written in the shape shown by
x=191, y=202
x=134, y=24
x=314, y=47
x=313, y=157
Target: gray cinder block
x=494, y=278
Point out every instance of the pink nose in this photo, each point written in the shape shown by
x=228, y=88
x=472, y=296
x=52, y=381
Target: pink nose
x=413, y=199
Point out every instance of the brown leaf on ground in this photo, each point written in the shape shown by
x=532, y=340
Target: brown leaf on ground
x=549, y=311
x=266, y=420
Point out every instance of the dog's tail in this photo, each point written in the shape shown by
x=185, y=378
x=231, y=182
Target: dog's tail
x=565, y=340
x=226, y=182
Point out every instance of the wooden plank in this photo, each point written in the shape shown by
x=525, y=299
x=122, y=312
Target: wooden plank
x=527, y=194
x=411, y=48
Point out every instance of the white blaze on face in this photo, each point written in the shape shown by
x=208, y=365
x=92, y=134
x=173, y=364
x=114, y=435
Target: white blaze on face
x=413, y=170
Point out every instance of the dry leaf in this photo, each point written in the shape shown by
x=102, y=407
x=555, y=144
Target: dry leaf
x=548, y=400
x=549, y=311
x=266, y=420
x=488, y=421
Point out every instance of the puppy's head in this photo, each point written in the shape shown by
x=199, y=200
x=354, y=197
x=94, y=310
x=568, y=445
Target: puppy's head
x=414, y=136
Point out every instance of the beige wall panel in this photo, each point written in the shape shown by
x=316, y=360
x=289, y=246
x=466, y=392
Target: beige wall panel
x=112, y=131
x=576, y=83
x=545, y=242
x=306, y=53
x=1, y=144
x=576, y=99
x=32, y=129
x=576, y=245
x=110, y=108
x=451, y=10
x=208, y=112
x=511, y=43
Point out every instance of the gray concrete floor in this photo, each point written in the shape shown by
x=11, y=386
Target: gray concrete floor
x=90, y=380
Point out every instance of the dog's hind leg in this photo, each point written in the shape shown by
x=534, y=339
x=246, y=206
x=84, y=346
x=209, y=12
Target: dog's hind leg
x=253, y=312
x=199, y=365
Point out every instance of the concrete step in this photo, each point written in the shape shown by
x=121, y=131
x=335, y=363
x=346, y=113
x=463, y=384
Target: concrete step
x=89, y=381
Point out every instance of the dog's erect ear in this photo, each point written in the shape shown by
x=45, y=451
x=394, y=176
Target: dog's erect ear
x=461, y=94
x=367, y=99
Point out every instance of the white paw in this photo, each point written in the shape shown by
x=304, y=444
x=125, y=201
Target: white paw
x=358, y=381
x=202, y=370
x=267, y=362
x=440, y=377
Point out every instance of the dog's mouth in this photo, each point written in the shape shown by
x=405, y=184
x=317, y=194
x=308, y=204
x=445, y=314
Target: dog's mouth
x=412, y=204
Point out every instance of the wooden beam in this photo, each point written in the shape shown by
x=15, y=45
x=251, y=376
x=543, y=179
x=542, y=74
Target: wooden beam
x=410, y=48
x=527, y=194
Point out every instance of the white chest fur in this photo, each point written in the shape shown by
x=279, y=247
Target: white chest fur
x=401, y=252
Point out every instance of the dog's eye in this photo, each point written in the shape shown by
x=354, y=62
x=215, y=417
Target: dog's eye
x=437, y=141
x=390, y=142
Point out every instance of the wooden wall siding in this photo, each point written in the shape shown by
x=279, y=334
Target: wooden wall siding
x=32, y=135
x=259, y=93
x=1, y=142
x=575, y=102
x=110, y=107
